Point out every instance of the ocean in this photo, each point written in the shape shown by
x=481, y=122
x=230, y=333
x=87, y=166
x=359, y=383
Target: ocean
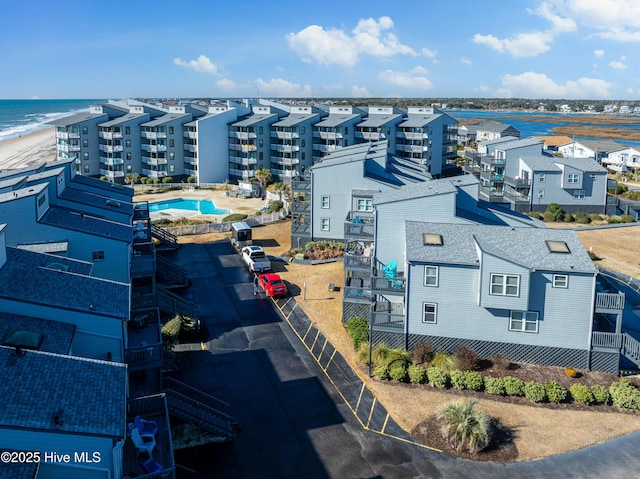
x=21, y=117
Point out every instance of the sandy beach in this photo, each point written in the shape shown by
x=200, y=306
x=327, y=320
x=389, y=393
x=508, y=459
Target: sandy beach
x=37, y=147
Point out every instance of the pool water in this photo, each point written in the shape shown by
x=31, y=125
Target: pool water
x=205, y=207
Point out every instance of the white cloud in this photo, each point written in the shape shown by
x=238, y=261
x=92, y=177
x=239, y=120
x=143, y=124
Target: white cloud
x=539, y=85
x=226, y=84
x=598, y=53
x=484, y=89
x=419, y=70
x=558, y=23
x=369, y=37
x=202, y=64
x=333, y=87
x=429, y=53
x=617, y=20
x=616, y=65
x=465, y=61
x=282, y=88
x=359, y=92
x=406, y=79
x=630, y=92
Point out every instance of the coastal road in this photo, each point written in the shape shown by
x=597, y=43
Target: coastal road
x=294, y=424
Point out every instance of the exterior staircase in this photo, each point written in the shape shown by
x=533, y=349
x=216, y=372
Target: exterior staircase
x=196, y=407
x=631, y=349
x=173, y=304
x=168, y=240
x=170, y=274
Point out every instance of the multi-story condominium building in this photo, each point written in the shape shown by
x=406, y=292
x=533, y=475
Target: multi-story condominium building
x=250, y=142
x=292, y=146
x=335, y=131
x=381, y=124
x=427, y=136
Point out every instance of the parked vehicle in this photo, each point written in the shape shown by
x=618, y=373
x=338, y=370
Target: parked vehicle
x=272, y=284
x=255, y=259
x=240, y=234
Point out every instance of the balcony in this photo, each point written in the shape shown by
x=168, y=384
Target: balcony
x=242, y=135
x=153, y=135
x=516, y=196
x=472, y=169
x=492, y=194
x=154, y=173
x=188, y=134
x=609, y=302
x=300, y=229
x=243, y=148
x=491, y=176
x=357, y=288
x=192, y=148
x=112, y=174
x=355, y=262
x=284, y=173
x=284, y=135
x=111, y=161
x=143, y=256
x=239, y=160
x=153, y=161
x=395, y=285
x=279, y=160
x=67, y=148
x=285, y=148
x=301, y=184
x=413, y=148
x=411, y=135
x=387, y=314
x=491, y=162
x=244, y=174
x=359, y=225
x=370, y=135
x=153, y=148
x=109, y=135
x=327, y=135
x=66, y=135
x=325, y=148
x=517, y=182
x=298, y=206
x=110, y=148
x=144, y=342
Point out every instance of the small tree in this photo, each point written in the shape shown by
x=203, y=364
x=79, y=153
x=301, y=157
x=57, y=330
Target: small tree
x=132, y=178
x=464, y=427
x=358, y=330
x=556, y=211
x=264, y=177
x=282, y=190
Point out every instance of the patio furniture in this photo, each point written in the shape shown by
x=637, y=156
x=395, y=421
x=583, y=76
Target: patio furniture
x=144, y=426
x=150, y=465
x=143, y=442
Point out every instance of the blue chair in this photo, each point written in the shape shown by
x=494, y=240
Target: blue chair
x=150, y=465
x=145, y=427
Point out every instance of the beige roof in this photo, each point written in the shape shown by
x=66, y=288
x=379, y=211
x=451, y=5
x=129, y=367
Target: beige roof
x=553, y=140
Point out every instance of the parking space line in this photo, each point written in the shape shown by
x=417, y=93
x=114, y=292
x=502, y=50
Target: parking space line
x=305, y=334
x=203, y=346
x=360, y=397
x=314, y=341
x=384, y=426
x=330, y=359
x=322, y=350
x=291, y=312
x=373, y=405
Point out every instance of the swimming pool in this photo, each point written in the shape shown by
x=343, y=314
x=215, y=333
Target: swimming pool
x=205, y=207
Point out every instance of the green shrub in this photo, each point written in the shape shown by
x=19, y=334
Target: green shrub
x=143, y=180
x=534, y=215
x=600, y=394
x=621, y=188
x=494, y=386
x=444, y=361
x=358, y=330
x=614, y=220
x=457, y=379
x=398, y=371
x=513, y=386
x=234, y=217
x=417, y=374
x=595, y=217
x=624, y=395
x=592, y=255
x=473, y=380
x=555, y=392
x=547, y=216
x=466, y=359
x=171, y=330
x=104, y=178
x=464, y=427
x=379, y=354
x=535, y=392
x=568, y=217
x=167, y=179
x=422, y=353
x=555, y=211
x=156, y=181
x=191, y=179
x=581, y=393
x=382, y=372
x=633, y=195
x=437, y=377
x=276, y=205
x=627, y=219
x=362, y=355
x=582, y=218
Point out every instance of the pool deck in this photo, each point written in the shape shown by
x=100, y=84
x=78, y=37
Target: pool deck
x=247, y=206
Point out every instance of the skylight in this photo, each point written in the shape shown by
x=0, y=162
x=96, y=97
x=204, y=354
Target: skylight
x=431, y=239
x=21, y=338
x=557, y=247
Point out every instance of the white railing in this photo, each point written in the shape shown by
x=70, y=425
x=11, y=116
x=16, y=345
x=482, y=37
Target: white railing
x=207, y=228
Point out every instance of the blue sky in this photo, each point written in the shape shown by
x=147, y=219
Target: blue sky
x=574, y=49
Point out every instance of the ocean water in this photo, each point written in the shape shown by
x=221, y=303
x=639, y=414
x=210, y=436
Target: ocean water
x=21, y=117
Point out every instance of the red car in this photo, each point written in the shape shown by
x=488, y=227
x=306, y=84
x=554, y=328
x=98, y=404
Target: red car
x=272, y=284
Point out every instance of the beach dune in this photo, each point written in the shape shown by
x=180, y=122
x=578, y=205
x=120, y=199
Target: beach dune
x=37, y=147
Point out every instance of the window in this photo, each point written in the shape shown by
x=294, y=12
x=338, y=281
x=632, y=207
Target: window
x=172, y=156
x=541, y=193
x=85, y=143
x=86, y=156
x=526, y=321
x=127, y=130
x=261, y=155
x=505, y=285
x=573, y=178
x=429, y=312
x=85, y=130
x=302, y=130
x=128, y=155
x=542, y=177
x=129, y=168
x=259, y=130
x=431, y=276
x=302, y=157
x=171, y=143
x=97, y=255
x=302, y=143
x=172, y=168
x=560, y=281
x=346, y=130
x=171, y=130
x=324, y=225
x=324, y=202
x=41, y=200
x=364, y=204
x=594, y=177
x=127, y=143
x=260, y=143
x=579, y=194
x=86, y=168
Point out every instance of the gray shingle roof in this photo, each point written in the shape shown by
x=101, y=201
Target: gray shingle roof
x=522, y=246
x=540, y=163
x=19, y=471
x=375, y=121
x=427, y=188
x=48, y=173
x=22, y=192
x=161, y=120
x=56, y=336
x=76, y=119
x=493, y=127
x=25, y=277
x=103, y=185
x=296, y=119
x=588, y=165
x=20, y=172
x=254, y=119
x=497, y=141
x=602, y=146
x=520, y=143
x=336, y=120
x=122, y=119
x=418, y=120
x=84, y=197
x=88, y=395
x=79, y=221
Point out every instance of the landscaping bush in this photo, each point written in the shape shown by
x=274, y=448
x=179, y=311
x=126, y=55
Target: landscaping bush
x=624, y=395
x=473, y=380
x=568, y=217
x=621, y=188
x=444, y=361
x=276, y=205
x=535, y=392
x=457, y=379
x=555, y=211
x=494, y=386
x=581, y=393
x=627, y=219
x=592, y=255
x=143, y=180
x=546, y=216
x=234, y=217
x=191, y=179
x=595, y=217
x=382, y=372
x=534, y=215
x=555, y=392
x=167, y=179
x=171, y=330
x=466, y=359
x=582, y=218
x=379, y=354
x=514, y=386
x=600, y=394
x=615, y=219
x=417, y=374
x=104, y=178
x=156, y=181
x=501, y=363
x=464, y=427
x=422, y=353
x=363, y=353
x=437, y=377
x=358, y=330
x=398, y=371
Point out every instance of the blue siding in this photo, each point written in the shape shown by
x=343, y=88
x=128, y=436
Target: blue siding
x=494, y=265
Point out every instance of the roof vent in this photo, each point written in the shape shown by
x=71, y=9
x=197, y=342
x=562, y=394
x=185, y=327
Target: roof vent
x=431, y=239
x=57, y=266
x=113, y=203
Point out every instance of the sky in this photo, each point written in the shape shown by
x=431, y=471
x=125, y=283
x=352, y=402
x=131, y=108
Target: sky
x=546, y=49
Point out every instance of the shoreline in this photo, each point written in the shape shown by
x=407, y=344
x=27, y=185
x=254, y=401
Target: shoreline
x=30, y=149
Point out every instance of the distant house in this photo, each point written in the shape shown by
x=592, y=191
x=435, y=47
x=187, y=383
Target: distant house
x=622, y=160
x=493, y=131
x=553, y=142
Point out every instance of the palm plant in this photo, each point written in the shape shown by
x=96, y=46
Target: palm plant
x=132, y=178
x=444, y=361
x=464, y=427
x=264, y=177
x=282, y=190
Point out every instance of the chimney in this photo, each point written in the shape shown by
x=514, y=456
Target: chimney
x=3, y=245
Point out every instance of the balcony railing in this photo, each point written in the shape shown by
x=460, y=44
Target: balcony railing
x=301, y=184
x=242, y=135
x=153, y=161
x=472, y=169
x=411, y=135
x=278, y=160
x=516, y=196
x=370, y=135
x=65, y=135
x=609, y=301
x=491, y=176
x=244, y=174
x=190, y=134
x=359, y=225
x=153, y=148
x=394, y=285
x=606, y=340
x=110, y=148
x=413, y=148
x=285, y=148
x=193, y=148
x=67, y=148
x=357, y=262
x=284, y=135
x=382, y=319
x=357, y=292
x=302, y=230
x=109, y=135
x=152, y=135
x=517, y=182
x=488, y=160
x=239, y=160
x=153, y=173
x=300, y=206
x=492, y=194
x=327, y=135
x=325, y=148
x=111, y=161
x=111, y=174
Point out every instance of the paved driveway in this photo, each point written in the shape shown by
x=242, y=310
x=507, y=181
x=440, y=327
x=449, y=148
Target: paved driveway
x=294, y=424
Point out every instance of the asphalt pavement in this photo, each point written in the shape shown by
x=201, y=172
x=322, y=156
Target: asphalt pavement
x=303, y=412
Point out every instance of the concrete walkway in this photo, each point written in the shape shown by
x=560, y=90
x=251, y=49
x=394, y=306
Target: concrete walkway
x=304, y=412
